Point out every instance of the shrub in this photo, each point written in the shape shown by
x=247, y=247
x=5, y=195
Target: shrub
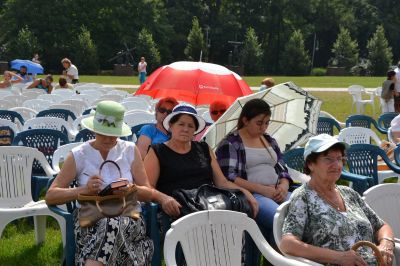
x=318, y=71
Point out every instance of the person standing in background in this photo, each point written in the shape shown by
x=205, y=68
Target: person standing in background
x=142, y=70
x=397, y=89
x=35, y=58
x=70, y=71
x=387, y=99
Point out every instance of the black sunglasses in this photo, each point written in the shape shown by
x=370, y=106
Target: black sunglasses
x=164, y=110
x=216, y=112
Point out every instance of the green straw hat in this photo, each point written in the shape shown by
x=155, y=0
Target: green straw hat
x=108, y=120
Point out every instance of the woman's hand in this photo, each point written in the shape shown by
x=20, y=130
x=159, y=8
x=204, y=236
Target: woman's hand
x=253, y=202
x=350, y=258
x=170, y=206
x=94, y=185
x=280, y=193
x=386, y=249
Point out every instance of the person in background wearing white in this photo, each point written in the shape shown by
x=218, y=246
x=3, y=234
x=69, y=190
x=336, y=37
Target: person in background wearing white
x=397, y=89
x=70, y=71
x=142, y=70
x=8, y=81
x=35, y=58
x=387, y=94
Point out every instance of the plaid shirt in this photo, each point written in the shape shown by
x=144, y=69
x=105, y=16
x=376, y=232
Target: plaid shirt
x=231, y=156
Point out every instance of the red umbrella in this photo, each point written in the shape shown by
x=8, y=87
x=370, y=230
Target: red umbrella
x=195, y=82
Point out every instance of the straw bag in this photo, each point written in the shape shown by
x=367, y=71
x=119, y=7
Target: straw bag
x=95, y=207
x=377, y=253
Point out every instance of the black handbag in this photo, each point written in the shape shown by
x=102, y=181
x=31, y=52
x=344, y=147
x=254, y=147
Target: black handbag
x=209, y=197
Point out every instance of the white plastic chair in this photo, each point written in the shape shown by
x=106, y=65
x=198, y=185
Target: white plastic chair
x=215, y=238
x=66, y=93
x=76, y=125
x=25, y=112
x=111, y=97
x=61, y=154
x=136, y=105
x=50, y=123
x=81, y=105
x=358, y=135
x=37, y=104
x=75, y=109
x=5, y=105
x=15, y=184
x=51, y=97
x=326, y=114
x=4, y=93
x=137, y=118
x=384, y=199
x=86, y=98
x=356, y=92
x=17, y=100
x=207, y=117
x=10, y=124
x=122, y=93
x=279, y=218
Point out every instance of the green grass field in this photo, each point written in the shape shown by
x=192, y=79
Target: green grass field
x=306, y=81
x=17, y=245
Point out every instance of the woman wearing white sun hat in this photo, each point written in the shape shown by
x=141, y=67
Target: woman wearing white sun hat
x=181, y=163
x=111, y=241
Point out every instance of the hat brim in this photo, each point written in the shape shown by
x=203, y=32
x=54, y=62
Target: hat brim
x=202, y=122
x=104, y=130
x=326, y=146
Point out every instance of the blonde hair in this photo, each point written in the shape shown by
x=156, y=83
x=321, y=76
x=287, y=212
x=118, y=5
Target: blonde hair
x=66, y=60
x=269, y=82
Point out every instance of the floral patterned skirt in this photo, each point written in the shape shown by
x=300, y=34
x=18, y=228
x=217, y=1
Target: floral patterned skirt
x=113, y=241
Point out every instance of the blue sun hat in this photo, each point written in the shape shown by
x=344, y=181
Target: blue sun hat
x=321, y=143
x=184, y=108
x=108, y=120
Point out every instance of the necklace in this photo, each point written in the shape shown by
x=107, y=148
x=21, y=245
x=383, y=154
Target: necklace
x=324, y=197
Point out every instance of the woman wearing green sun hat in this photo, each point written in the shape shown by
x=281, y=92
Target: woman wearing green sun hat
x=111, y=241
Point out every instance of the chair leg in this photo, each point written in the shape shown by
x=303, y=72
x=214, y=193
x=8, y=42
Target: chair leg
x=40, y=228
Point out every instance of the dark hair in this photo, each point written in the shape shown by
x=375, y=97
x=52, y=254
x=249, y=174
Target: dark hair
x=175, y=118
x=23, y=67
x=313, y=157
x=252, y=109
x=390, y=74
x=62, y=81
x=49, y=77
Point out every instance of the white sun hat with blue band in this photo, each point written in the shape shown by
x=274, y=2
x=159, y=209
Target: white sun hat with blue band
x=185, y=108
x=108, y=120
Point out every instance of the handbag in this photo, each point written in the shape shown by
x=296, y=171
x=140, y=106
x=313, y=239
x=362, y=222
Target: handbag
x=95, y=207
x=209, y=197
x=377, y=253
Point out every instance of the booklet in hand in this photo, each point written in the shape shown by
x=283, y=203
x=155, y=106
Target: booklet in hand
x=108, y=190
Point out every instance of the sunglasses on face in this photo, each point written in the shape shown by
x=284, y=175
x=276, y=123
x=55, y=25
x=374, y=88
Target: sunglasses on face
x=164, y=110
x=215, y=112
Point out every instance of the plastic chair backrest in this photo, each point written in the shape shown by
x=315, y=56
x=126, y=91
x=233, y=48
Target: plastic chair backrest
x=16, y=174
x=37, y=104
x=25, y=112
x=137, y=118
x=61, y=153
x=51, y=97
x=136, y=105
x=13, y=116
x=45, y=140
x=279, y=218
x=358, y=135
x=8, y=130
x=327, y=125
x=60, y=113
x=385, y=119
x=4, y=104
x=45, y=122
x=384, y=199
x=360, y=121
x=294, y=159
x=135, y=130
x=214, y=237
x=84, y=135
x=66, y=93
x=122, y=93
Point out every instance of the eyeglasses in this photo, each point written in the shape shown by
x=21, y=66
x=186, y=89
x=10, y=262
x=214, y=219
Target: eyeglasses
x=216, y=112
x=164, y=110
x=330, y=160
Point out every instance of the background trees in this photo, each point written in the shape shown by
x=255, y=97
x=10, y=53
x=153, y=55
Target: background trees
x=54, y=29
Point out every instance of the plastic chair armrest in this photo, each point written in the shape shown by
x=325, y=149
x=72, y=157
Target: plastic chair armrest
x=360, y=182
x=59, y=211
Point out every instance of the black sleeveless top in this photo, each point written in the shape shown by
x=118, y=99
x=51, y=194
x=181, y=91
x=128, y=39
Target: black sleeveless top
x=187, y=171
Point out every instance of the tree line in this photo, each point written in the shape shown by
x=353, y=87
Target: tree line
x=264, y=36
